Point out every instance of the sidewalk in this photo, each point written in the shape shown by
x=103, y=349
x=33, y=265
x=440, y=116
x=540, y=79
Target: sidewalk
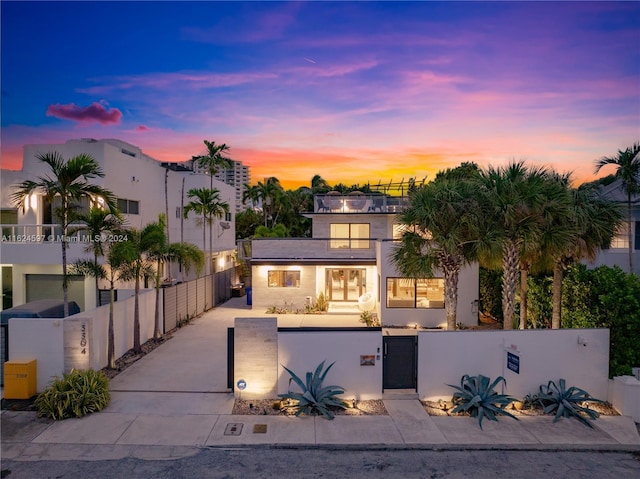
x=170, y=404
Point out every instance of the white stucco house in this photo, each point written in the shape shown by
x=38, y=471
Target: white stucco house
x=348, y=257
x=31, y=256
x=618, y=252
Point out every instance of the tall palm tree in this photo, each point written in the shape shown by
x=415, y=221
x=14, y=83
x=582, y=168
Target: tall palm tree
x=98, y=224
x=206, y=203
x=137, y=266
x=441, y=231
x=319, y=185
x=214, y=160
x=68, y=181
x=512, y=197
x=162, y=252
x=589, y=226
x=116, y=255
x=627, y=165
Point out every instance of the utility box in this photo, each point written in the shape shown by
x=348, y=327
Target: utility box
x=20, y=379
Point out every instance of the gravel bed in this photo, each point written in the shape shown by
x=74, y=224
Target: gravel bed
x=270, y=407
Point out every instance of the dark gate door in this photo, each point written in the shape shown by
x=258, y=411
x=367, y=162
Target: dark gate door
x=400, y=362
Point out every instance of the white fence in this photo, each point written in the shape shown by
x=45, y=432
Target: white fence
x=80, y=340
x=581, y=356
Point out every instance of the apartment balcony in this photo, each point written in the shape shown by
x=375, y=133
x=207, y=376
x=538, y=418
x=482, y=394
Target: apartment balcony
x=310, y=250
x=41, y=244
x=358, y=202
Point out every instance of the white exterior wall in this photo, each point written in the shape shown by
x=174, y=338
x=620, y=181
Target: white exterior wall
x=468, y=292
x=303, y=351
x=445, y=356
x=139, y=178
x=48, y=340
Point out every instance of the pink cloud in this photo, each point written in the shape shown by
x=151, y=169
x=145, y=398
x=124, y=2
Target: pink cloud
x=142, y=128
x=92, y=113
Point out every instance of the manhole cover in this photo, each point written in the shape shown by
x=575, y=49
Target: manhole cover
x=233, y=429
x=259, y=428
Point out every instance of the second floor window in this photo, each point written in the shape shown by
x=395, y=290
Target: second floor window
x=350, y=235
x=129, y=207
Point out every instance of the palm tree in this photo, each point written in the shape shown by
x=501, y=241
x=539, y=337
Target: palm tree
x=513, y=198
x=137, y=266
x=319, y=185
x=590, y=224
x=68, y=181
x=206, y=203
x=627, y=165
x=115, y=260
x=98, y=223
x=440, y=231
x=214, y=160
x=162, y=252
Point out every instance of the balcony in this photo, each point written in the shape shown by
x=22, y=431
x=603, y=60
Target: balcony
x=358, y=202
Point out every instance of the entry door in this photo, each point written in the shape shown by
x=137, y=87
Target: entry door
x=345, y=284
x=400, y=361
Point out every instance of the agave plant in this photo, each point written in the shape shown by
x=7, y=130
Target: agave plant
x=567, y=402
x=477, y=396
x=314, y=399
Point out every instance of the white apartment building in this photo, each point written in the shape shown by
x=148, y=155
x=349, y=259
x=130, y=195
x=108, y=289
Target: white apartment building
x=238, y=177
x=144, y=187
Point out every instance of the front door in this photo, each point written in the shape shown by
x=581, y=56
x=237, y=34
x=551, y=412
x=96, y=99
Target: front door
x=345, y=284
x=400, y=361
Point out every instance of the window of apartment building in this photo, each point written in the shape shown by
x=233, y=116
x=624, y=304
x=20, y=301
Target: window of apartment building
x=349, y=235
x=283, y=279
x=415, y=293
x=621, y=238
x=129, y=207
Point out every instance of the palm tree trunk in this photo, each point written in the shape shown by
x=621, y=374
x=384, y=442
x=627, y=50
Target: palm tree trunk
x=524, y=290
x=156, y=314
x=65, y=278
x=556, y=316
x=95, y=263
x=451, y=298
x=204, y=243
x=111, y=357
x=629, y=232
x=166, y=212
x=509, y=282
x=137, y=348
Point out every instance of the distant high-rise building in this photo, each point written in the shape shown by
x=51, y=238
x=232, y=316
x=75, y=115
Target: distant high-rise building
x=238, y=177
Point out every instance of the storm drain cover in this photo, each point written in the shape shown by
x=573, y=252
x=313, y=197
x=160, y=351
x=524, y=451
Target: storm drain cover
x=259, y=428
x=233, y=429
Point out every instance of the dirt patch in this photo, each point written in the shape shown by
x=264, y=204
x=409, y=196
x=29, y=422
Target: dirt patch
x=443, y=408
x=272, y=407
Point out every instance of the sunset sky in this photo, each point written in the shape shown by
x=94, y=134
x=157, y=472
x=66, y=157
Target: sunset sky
x=356, y=92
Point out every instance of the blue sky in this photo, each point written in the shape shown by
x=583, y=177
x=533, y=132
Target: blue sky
x=353, y=91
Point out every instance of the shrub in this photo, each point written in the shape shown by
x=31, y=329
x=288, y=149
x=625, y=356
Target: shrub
x=476, y=396
x=322, y=303
x=76, y=394
x=314, y=398
x=370, y=319
x=567, y=402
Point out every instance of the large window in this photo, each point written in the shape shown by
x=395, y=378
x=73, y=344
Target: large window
x=350, y=235
x=283, y=279
x=415, y=293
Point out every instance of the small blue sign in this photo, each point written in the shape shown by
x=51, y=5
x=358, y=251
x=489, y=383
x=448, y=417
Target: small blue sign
x=513, y=362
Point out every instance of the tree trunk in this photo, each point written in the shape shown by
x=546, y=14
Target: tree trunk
x=182, y=224
x=524, y=290
x=556, y=317
x=137, y=348
x=204, y=243
x=95, y=262
x=111, y=357
x=156, y=314
x=166, y=212
x=629, y=232
x=451, y=298
x=65, y=279
x=509, y=282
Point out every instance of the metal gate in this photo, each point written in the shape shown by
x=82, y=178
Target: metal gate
x=400, y=362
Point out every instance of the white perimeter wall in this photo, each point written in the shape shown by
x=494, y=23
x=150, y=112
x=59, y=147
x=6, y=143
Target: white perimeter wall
x=303, y=351
x=45, y=339
x=444, y=357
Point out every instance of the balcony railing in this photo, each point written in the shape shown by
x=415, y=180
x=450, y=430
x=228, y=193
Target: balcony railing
x=310, y=248
x=358, y=202
x=44, y=233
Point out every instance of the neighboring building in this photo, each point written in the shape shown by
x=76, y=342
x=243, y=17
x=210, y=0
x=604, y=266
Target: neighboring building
x=348, y=256
x=31, y=269
x=618, y=253
x=238, y=177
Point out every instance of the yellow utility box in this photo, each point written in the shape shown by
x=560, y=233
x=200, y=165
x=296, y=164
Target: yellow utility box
x=20, y=380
